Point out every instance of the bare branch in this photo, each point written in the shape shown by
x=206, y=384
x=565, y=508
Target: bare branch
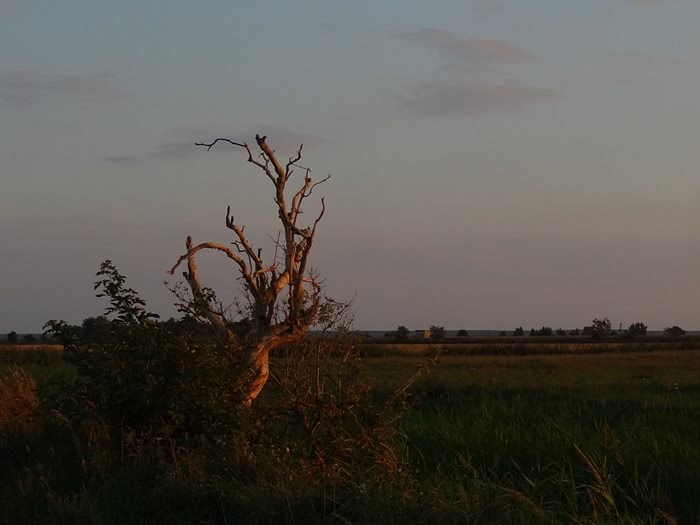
x=217, y=320
x=212, y=246
x=317, y=183
x=244, y=270
x=221, y=139
x=244, y=145
x=292, y=162
x=239, y=231
x=273, y=158
x=302, y=194
x=320, y=215
x=271, y=322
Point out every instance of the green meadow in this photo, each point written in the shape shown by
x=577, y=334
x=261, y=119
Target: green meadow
x=603, y=434
x=598, y=438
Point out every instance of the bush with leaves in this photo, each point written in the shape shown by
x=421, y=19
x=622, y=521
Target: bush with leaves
x=637, y=329
x=674, y=331
x=400, y=333
x=437, y=332
x=142, y=375
x=171, y=383
x=600, y=329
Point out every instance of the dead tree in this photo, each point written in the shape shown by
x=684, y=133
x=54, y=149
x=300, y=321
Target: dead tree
x=284, y=295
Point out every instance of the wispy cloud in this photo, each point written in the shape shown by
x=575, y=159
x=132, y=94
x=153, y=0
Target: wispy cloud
x=470, y=98
x=474, y=49
x=176, y=149
x=23, y=89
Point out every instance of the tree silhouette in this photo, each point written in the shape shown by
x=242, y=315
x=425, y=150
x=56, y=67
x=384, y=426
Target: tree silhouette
x=637, y=329
x=437, y=332
x=601, y=328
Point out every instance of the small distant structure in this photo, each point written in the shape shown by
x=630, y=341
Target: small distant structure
x=422, y=334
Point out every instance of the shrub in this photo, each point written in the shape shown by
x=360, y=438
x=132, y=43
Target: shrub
x=637, y=329
x=674, y=331
x=331, y=427
x=600, y=329
x=437, y=332
x=400, y=333
x=145, y=377
x=166, y=389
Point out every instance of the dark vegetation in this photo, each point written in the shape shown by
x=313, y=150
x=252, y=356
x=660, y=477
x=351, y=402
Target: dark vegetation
x=137, y=422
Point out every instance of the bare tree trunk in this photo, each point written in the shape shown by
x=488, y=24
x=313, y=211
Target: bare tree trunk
x=257, y=362
x=271, y=324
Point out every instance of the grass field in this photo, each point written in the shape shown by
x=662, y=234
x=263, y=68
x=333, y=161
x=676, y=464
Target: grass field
x=622, y=426
x=599, y=438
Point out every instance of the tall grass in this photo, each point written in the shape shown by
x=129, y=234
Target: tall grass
x=606, y=438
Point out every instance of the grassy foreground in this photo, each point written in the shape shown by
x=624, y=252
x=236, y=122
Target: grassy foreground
x=618, y=429
x=603, y=438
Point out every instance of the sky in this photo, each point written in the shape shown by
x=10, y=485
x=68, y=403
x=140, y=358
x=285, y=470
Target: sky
x=494, y=163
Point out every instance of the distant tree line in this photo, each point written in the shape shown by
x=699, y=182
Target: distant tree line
x=600, y=329
x=13, y=337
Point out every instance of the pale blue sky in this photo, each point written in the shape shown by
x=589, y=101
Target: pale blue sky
x=495, y=163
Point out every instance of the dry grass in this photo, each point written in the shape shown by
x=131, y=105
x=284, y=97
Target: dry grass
x=29, y=347
x=528, y=347
x=19, y=403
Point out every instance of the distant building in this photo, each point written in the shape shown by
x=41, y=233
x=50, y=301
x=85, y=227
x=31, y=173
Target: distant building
x=423, y=334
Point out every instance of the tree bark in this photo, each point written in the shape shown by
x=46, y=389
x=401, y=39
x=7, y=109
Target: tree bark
x=271, y=324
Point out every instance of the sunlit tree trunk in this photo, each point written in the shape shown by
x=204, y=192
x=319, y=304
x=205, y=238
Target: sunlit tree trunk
x=267, y=285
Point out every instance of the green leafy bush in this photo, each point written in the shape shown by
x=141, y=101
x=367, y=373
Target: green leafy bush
x=142, y=375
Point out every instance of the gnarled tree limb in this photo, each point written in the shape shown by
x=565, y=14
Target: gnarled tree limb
x=271, y=324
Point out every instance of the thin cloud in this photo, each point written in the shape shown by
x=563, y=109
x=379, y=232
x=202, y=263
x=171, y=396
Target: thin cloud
x=24, y=89
x=175, y=149
x=474, y=49
x=470, y=98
